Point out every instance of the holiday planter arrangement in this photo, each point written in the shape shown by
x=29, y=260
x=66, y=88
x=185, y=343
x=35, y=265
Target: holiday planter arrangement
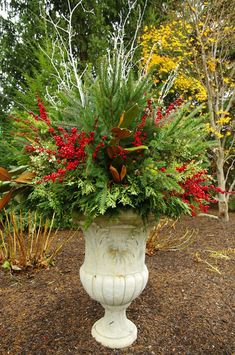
x=127, y=160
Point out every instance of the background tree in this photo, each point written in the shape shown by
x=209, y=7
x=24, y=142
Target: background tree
x=199, y=48
x=214, y=59
x=92, y=22
x=20, y=37
x=167, y=52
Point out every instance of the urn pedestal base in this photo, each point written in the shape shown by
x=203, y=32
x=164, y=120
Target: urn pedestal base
x=114, y=273
x=114, y=330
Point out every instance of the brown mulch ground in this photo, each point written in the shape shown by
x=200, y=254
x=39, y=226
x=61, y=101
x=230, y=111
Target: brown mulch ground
x=185, y=309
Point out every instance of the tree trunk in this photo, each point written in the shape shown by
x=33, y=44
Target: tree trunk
x=223, y=203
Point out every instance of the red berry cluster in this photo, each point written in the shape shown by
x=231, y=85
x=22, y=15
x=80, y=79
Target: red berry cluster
x=70, y=146
x=139, y=136
x=70, y=150
x=178, y=102
x=42, y=113
x=160, y=114
x=181, y=168
x=30, y=148
x=197, y=193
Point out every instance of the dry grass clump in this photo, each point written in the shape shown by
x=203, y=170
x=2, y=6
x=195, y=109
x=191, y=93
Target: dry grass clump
x=211, y=258
x=164, y=237
x=28, y=243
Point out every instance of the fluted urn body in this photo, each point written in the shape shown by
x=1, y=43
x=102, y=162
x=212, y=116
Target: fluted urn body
x=114, y=273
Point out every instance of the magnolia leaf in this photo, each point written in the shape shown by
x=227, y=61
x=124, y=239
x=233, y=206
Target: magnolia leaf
x=133, y=149
x=18, y=169
x=110, y=152
x=4, y=175
x=123, y=172
x=5, y=199
x=25, y=177
x=121, y=132
x=128, y=116
x=115, y=174
x=114, y=150
x=121, y=119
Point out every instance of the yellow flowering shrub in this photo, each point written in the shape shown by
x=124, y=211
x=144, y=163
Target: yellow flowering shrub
x=168, y=48
x=188, y=85
x=223, y=125
x=213, y=130
x=223, y=120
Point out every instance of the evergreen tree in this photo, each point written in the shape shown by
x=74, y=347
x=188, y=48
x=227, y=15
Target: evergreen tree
x=24, y=30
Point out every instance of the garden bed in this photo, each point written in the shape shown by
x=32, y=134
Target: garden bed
x=186, y=308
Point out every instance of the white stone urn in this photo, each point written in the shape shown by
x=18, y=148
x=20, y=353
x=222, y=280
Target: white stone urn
x=114, y=273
